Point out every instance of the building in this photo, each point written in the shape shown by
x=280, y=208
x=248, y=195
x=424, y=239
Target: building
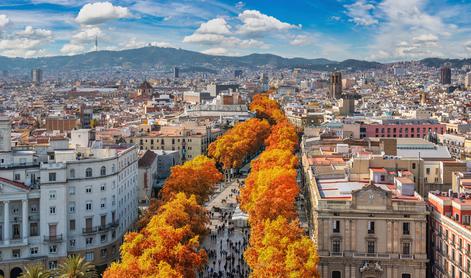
x=215, y=89
x=238, y=73
x=61, y=123
x=189, y=141
x=445, y=75
x=86, y=116
x=402, y=128
x=467, y=80
x=36, y=76
x=369, y=230
x=335, y=86
x=450, y=234
x=176, y=72
x=66, y=201
x=348, y=104
x=147, y=176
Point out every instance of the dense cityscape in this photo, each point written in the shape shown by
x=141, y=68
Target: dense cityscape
x=155, y=161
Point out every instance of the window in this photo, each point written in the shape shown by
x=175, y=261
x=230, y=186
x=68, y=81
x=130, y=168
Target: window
x=17, y=177
x=53, y=249
x=16, y=253
x=72, y=243
x=406, y=248
x=406, y=275
x=336, y=246
x=72, y=173
x=413, y=166
x=427, y=171
x=52, y=195
x=89, y=240
x=103, y=238
x=52, y=264
x=33, y=229
x=88, y=205
x=88, y=189
x=382, y=178
x=72, y=207
x=88, y=172
x=89, y=256
x=371, y=227
x=371, y=247
x=52, y=176
x=336, y=274
x=72, y=190
x=336, y=226
x=52, y=210
x=103, y=252
x=406, y=228
x=34, y=250
x=103, y=171
x=102, y=187
x=103, y=203
x=72, y=224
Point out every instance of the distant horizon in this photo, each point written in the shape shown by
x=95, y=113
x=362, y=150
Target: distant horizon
x=371, y=30
x=234, y=56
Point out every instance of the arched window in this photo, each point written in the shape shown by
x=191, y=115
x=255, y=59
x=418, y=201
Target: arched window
x=103, y=171
x=336, y=274
x=72, y=173
x=88, y=172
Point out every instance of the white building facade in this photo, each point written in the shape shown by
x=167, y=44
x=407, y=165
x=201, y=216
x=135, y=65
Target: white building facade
x=78, y=201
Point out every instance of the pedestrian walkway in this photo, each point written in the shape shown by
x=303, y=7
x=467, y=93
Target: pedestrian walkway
x=226, y=243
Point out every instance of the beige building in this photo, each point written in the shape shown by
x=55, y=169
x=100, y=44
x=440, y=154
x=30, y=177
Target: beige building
x=189, y=141
x=365, y=230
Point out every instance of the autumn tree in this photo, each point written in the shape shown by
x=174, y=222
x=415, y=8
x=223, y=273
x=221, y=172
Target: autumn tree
x=269, y=193
x=266, y=108
x=198, y=176
x=168, y=246
x=278, y=248
x=283, y=136
x=275, y=158
x=244, y=139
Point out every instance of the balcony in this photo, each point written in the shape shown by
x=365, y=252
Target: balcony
x=406, y=257
x=371, y=255
x=336, y=254
x=101, y=228
x=56, y=238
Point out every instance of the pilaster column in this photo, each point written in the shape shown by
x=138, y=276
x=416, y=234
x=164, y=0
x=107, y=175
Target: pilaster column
x=6, y=221
x=25, y=228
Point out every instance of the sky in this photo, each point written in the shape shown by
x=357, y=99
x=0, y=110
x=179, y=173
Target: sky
x=380, y=30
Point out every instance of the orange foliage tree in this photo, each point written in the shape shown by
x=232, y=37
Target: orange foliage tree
x=238, y=143
x=198, y=176
x=274, y=158
x=269, y=193
x=278, y=248
x=266, y=108
x=283, y=136
x=168, y=246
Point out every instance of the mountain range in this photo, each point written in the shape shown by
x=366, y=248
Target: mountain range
x=151, y=56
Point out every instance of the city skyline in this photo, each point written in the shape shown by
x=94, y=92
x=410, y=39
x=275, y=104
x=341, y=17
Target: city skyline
x=372, y=30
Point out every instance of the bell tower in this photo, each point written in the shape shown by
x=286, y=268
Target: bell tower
x=5, y=134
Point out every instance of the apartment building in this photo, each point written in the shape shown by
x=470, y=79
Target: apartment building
x=402, y=128
x=72, y=201
x=450, y=234
x=189, y=141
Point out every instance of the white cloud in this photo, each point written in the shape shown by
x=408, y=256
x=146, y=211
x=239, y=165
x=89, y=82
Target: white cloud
x=240, y=5
x=4, y=21
x=99, y=12
x=300, y=40
x=214, y=26
x=87, y=35
x=256, y=22
x=135, y=43
x=218, y=51
x=32, y=33
x=72, y=49
x=360, y=13
x=204, y=38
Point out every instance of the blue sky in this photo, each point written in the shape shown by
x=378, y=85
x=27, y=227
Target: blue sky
x=383, y=30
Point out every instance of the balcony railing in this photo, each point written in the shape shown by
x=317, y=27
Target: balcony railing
x=371, y=255
x=100, y=229
x=56, y=238
x=406, y=256
x=336, y=254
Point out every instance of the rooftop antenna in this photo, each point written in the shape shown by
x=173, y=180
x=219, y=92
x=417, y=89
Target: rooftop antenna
x=96, y=43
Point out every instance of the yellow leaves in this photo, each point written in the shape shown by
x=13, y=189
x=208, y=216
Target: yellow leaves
x=235, y=145
x=168, y=246
x=277, y=246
